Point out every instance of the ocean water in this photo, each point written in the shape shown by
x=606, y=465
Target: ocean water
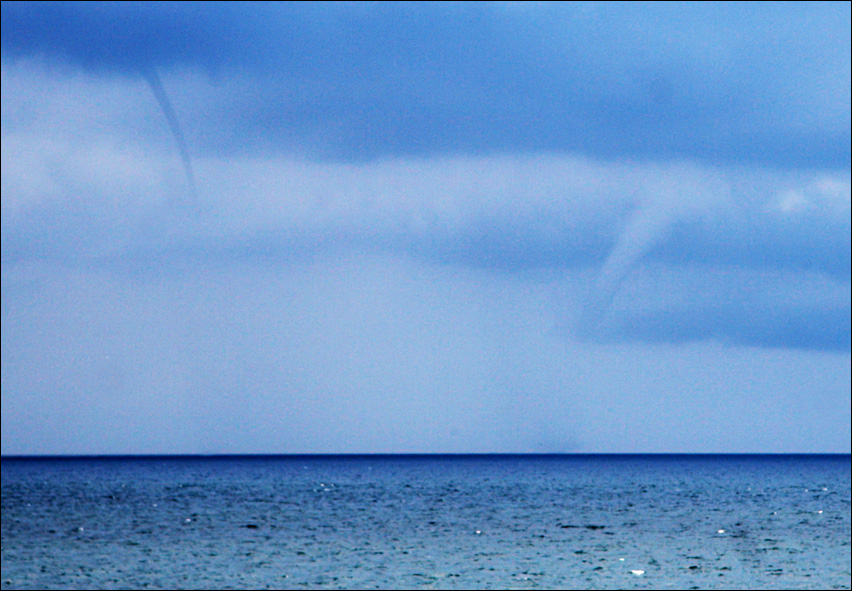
x=438, y=522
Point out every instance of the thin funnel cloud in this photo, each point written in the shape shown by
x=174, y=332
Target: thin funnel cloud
x=156, y=86
x=675, y=195
x=642, y=232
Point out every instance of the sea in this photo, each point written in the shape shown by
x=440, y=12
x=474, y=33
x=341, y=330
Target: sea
x=427, y=522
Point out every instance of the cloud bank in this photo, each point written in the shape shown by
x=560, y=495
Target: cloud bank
x=703, y=147
x=506, y=214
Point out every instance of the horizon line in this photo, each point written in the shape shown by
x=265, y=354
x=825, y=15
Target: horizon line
x=412, y=455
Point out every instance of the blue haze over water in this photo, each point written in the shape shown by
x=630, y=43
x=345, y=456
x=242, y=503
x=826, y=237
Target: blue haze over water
x=490, y=521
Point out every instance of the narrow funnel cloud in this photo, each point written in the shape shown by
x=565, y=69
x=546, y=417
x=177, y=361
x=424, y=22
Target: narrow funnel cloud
x=676, y=194
x=159, y=92
x=642, y=232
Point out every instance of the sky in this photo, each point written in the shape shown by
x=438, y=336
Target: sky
x=425, y=228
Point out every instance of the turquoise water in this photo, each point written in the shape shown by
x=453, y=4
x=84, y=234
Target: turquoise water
x=441, y=522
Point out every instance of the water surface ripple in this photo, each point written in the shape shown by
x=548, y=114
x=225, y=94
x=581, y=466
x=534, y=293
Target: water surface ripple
x=440, y=522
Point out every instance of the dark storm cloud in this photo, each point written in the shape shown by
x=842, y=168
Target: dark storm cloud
x=761, y=326
x=736, y=306
x=720, y=82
